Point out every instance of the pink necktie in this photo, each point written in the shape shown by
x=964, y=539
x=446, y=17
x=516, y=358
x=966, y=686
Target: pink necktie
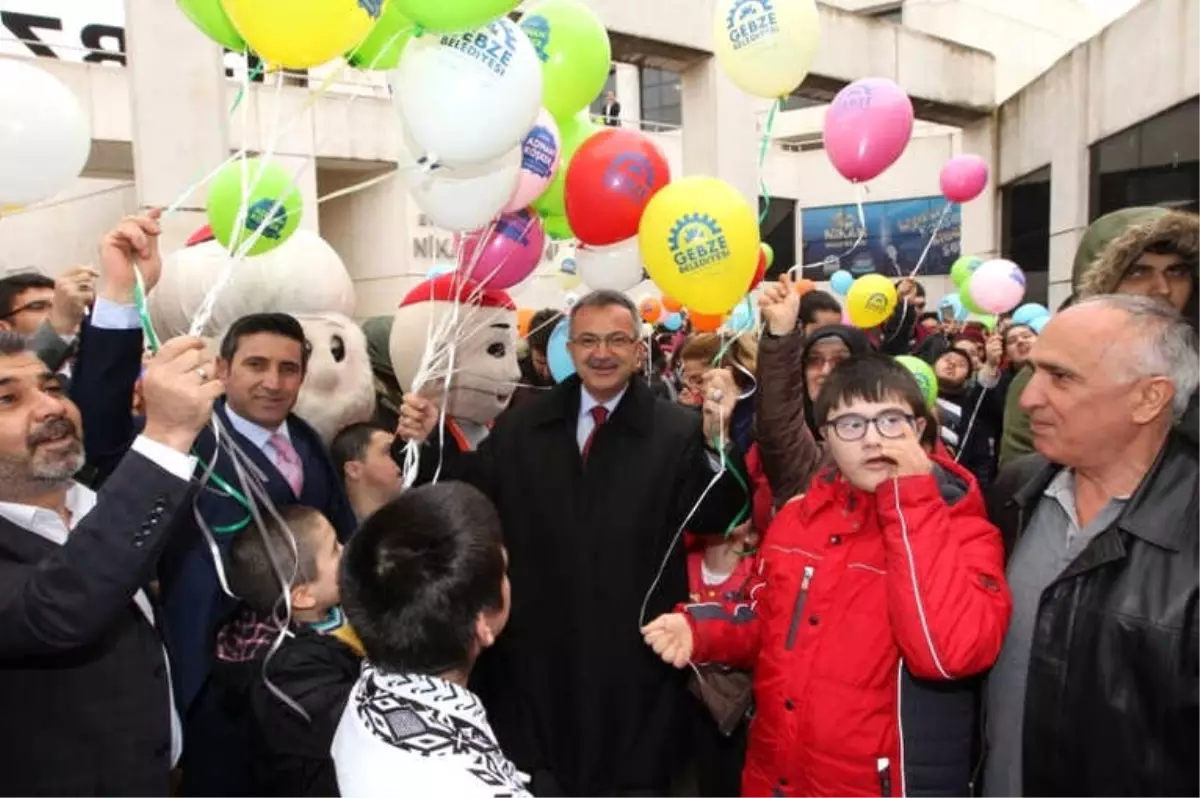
x=288, y=462
x=599, y=416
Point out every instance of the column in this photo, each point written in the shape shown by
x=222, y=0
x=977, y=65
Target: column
x=721, y=137
x=1069, y=162
x=628, y=81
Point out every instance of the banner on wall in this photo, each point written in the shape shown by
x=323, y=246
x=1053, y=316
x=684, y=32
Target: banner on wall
x=896, y=235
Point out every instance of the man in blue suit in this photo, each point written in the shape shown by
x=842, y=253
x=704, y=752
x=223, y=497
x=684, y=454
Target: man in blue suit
x=262, y=362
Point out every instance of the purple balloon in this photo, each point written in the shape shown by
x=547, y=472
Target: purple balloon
x=867, y=128
x=963, y=178
x=511, y=251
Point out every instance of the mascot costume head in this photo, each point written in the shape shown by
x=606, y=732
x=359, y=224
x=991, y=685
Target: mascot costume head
x=448, y=322
x=303, y=277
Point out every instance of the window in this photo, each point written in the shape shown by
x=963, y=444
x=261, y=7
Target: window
x=1156, y=162
x=779, y=230
x=1025, y=230
x=662, y=100
x=794, y=102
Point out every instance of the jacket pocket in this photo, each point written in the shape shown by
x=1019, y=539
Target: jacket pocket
x=883, y=767
x=798, y=609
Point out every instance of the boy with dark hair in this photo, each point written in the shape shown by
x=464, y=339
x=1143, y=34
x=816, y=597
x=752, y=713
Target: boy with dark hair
x=362, y=455
x=425, y=584
x=315, y=665
x=879, y=592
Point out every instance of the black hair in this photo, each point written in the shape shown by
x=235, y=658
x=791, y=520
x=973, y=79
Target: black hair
x=929, y=315
x=280, y=324
x=815, y=301
x=1068, y=302
x=14, y=285
x=418, y=572
x=541, y=326
x=12, y=343
x=351, y=444
x=870, y=377
x=255, y=555
x=604, y=298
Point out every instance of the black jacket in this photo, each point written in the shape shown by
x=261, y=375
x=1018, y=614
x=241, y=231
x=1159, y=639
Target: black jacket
x=84, y=699
x=1111, y=706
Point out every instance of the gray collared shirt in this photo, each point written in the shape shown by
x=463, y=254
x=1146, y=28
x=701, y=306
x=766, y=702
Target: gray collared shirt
x=1052, y=541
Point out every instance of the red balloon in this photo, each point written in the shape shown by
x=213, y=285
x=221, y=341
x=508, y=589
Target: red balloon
x=760, y=272
x=609, y=182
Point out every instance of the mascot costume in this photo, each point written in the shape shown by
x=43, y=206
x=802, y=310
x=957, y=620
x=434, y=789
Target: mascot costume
x=448, y=323
x=303, y=277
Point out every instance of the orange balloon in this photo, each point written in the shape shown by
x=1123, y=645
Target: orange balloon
x=803, y=286
x=703, y=323
x=524, y=319
x=671, y=305
x=652, y=310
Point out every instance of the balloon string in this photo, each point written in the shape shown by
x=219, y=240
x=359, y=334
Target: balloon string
x=932, y=237
x=254, y=73
x=762, y=161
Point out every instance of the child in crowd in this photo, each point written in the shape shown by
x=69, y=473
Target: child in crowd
x=314, y=667
x=425, y=585
x=878, y=593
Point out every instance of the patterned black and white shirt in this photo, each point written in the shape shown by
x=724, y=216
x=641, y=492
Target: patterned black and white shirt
x=421, y=734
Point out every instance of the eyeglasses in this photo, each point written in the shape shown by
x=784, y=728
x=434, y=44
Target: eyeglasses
x=852, y=426
x=615, y=342
x=37, y=306
x=818, y=362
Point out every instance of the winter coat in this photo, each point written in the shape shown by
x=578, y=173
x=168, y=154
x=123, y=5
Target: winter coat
x=867, y=615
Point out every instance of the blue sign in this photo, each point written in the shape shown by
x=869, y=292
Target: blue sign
x=896, y=234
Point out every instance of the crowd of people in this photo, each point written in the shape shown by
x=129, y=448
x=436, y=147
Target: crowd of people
x=763, y=564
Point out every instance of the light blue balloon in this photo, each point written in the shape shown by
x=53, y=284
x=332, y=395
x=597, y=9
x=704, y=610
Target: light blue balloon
x=952, y=306
x=1037, y=324
x=438, y=269
x=1028, y=312
x=840, y=282
x=673, y=322
x=742, y=318
x=557, y=356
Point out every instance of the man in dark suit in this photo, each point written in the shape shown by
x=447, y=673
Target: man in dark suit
x=594, y=480
x=612, y=110
x=262, y=363
x=84, y=683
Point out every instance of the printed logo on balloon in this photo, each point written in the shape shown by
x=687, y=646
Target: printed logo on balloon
x=696, y=242
x=855, y=97
x=537, y=28
x=372, y=7
x=631, y=175
x=494, y=49
x=539, y=151
x=515, y=227
x=259, y=216
x=750, y=21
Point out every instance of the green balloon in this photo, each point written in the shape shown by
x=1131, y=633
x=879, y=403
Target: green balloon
x=558, y=228
x=964, y=296
x=382, y=48
x=267, y=182
x=769, y=251
x=449, y=16
x=575, y=53
x=962, y=270
x=988, y=320
x=923, y=374
x=210, y=18
x=572, y=131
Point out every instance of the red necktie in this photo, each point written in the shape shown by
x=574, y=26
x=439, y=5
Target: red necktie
x=599, y=416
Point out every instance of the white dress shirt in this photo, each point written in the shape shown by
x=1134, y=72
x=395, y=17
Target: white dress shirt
x=80, y=501
x=259, y=436
x=586, y=423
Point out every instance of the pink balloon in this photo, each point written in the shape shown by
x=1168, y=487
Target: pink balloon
x=540, y=152
x=867, y=128
x=512, y=249
x=997, y=286
x=964, y=177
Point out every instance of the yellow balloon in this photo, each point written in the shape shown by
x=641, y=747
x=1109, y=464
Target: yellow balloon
x=699, y=241
x=870, y=300
x=766, y=47
x=299, y=34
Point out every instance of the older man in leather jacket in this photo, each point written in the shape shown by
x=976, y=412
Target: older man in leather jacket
x=1095, y=691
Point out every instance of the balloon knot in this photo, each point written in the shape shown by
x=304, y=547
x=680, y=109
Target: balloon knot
x=419, y=31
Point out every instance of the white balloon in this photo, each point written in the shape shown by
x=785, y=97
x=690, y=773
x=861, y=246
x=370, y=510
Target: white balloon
x=465, y=197
x=468, y=98
x=44, y=135
x=617, y=267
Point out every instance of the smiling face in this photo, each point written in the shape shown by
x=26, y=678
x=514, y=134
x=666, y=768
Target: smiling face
x=262, y=379
x=338, y=388
x=1018, y=342
x=605, y=348
x=41, y=434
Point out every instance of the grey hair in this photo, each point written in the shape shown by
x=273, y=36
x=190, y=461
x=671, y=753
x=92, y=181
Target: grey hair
x=605, y=298
x=1161, y=341
x=12, y=343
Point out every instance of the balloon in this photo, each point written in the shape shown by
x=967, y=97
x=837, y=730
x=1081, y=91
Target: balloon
x=988, y=320
x=454, y=15
x=743, y=318
x=673, y=322
x=210, y=18
x=963, y=268
x=968, y=303
x=609, y=183
x=1028, y=312
x=461, y=198
x=867, y=128
x=760, y=271
x=557, y=356
x=385, y=43
x=273, y=205
x=803, y=286
x=699, y=240
x=524, y=320
x=302, y=33
x=702, y=322
x=617, y=267
x=540, y=152
x=765, y=47
x=671, y=305
x=1037, y=324
x=510, y=250
x=924, y=375
x=871, y=300
x=573, y=133
x=963, y=178
x=568, y=281
x=651, y=309
x=769, y=253
x=558, y=228
x=44, y=136
x=951, y=308
x=573, y=46
x=466, y=98
x=438, y=269
x=841, y=281
x=998, y=286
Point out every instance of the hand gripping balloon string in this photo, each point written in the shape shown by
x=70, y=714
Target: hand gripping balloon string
x=762, y=161
x=139, y=300
x=932, y=237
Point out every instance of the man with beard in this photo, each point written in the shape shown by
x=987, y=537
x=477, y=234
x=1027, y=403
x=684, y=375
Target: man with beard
x=971, y=412
x=83, y=676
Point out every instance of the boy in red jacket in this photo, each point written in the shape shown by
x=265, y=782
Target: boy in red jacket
x=878, y=593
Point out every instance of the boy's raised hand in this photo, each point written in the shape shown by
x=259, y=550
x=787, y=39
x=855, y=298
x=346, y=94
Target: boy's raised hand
x=670, y=636
x=908, y=455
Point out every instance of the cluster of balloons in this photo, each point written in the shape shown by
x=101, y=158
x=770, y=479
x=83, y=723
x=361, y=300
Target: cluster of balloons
x=984, y=287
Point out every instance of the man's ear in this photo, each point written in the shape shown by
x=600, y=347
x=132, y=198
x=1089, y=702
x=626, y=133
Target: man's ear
x=222, y=368
x=1154, y=396
x=353, y=470
x=485, y=635
x=303, y=598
